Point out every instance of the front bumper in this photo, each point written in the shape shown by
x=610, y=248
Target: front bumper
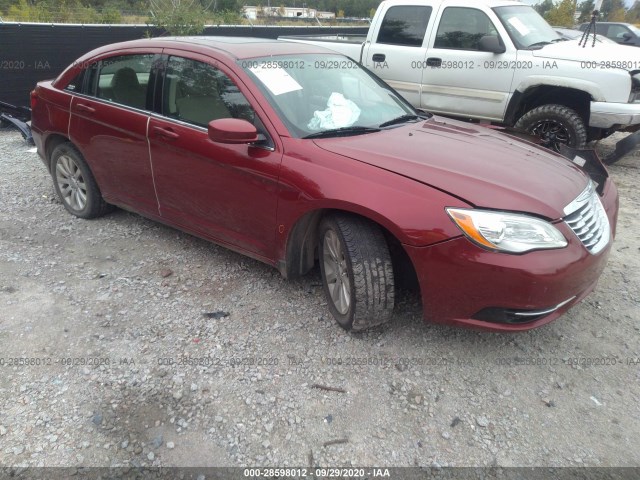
x=610, y=115
x=461, y=282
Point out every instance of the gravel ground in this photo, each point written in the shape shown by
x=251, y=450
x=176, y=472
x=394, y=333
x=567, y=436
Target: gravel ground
x=147, y=346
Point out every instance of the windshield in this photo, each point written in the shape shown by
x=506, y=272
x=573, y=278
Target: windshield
x=325, y=92
x=526, y=27
x=634, y=29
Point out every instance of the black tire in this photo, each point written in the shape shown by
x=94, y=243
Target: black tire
x=365, y=271
x=555, y=124
x=71, y=173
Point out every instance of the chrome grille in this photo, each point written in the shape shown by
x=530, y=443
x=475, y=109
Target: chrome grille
x=588, y=220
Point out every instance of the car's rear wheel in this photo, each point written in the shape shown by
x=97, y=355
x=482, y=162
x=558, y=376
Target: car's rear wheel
x=555, y=125
x=357, y=272
x=74, y=183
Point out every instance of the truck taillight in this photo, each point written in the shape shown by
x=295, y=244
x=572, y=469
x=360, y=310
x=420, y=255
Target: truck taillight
x=34, y=99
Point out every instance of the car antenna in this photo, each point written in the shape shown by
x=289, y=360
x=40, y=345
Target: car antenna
x=591, y=26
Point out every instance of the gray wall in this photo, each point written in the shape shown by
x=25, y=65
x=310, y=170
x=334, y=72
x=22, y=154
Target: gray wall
x=33, y=52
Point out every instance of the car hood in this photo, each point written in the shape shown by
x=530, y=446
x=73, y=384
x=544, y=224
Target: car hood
x=570, y=50
x=474, y=163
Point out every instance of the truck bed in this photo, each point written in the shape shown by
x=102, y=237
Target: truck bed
x=348, y=44
x=341, y=38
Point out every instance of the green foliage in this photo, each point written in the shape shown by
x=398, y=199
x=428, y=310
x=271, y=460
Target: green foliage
x=562, y=14
x=64, y=11
x=111, y=15
x=25, y=12
x=617, y=15
x=633, y=14
x=543, y=7
x=178, y=17
x=586, y=9
x=224, y=6
x=611, y=9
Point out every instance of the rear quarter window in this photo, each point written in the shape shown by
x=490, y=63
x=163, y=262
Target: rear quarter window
x=75, y=85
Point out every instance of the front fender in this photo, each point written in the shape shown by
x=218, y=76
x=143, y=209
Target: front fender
x=411, y=211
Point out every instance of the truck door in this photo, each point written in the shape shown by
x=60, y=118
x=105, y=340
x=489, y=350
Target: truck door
x=461, y=79
x=396, y=52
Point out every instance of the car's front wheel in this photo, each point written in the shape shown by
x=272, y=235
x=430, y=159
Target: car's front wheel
x=555, y=125
x=74, y=183
x=357, y=272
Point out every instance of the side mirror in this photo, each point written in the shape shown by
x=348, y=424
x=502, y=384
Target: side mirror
x=491, y=43
x=627, y=36
x=232, y=131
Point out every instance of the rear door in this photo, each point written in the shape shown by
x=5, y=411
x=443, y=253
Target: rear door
x=397, y=51
x=227, y=193
x=109, y=117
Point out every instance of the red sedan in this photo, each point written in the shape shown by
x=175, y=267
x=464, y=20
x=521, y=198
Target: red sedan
x=292, y=154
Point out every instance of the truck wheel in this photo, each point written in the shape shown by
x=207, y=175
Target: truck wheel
x=357, y=273
x=74, y=183
x=555, y=125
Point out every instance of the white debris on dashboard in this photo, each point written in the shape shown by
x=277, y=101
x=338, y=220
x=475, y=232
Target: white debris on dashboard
x=340, y=112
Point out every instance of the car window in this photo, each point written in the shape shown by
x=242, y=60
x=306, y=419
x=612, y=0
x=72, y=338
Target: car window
x=123, y=79
x=404, y=26
x=75, y=85
x=616, y=32
x=462, y=28
x=196, y=93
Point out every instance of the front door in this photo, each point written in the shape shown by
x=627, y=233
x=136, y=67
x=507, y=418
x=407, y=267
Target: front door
x=227, y=193
x=459, y=78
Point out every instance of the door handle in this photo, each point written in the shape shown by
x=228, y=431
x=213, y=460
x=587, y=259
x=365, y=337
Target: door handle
x=378, y=57
x=434, y=62
x=165, y=132
x=85, y=108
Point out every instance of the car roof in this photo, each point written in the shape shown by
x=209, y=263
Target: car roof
x=461, y=3
x=235, y=47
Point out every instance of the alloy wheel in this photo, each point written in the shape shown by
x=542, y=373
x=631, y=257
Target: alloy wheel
x=71, y=183
x=336, y=272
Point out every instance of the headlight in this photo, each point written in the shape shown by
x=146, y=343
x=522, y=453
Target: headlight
x=506, y=232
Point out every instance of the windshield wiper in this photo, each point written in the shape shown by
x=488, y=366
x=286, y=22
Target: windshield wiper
x=539, y=44
x=402, y=119
x=337, y=132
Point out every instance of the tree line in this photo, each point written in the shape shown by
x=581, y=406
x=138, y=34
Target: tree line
x=118, y=11
x=561, y=13
x=556, y=12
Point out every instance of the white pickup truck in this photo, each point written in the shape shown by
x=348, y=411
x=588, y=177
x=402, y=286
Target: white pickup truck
x=498, y=61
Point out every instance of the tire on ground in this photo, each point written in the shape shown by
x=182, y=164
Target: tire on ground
x=565, y=117
x=369, y=269
x=95, y=205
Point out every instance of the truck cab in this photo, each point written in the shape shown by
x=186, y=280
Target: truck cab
x=499, y=61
